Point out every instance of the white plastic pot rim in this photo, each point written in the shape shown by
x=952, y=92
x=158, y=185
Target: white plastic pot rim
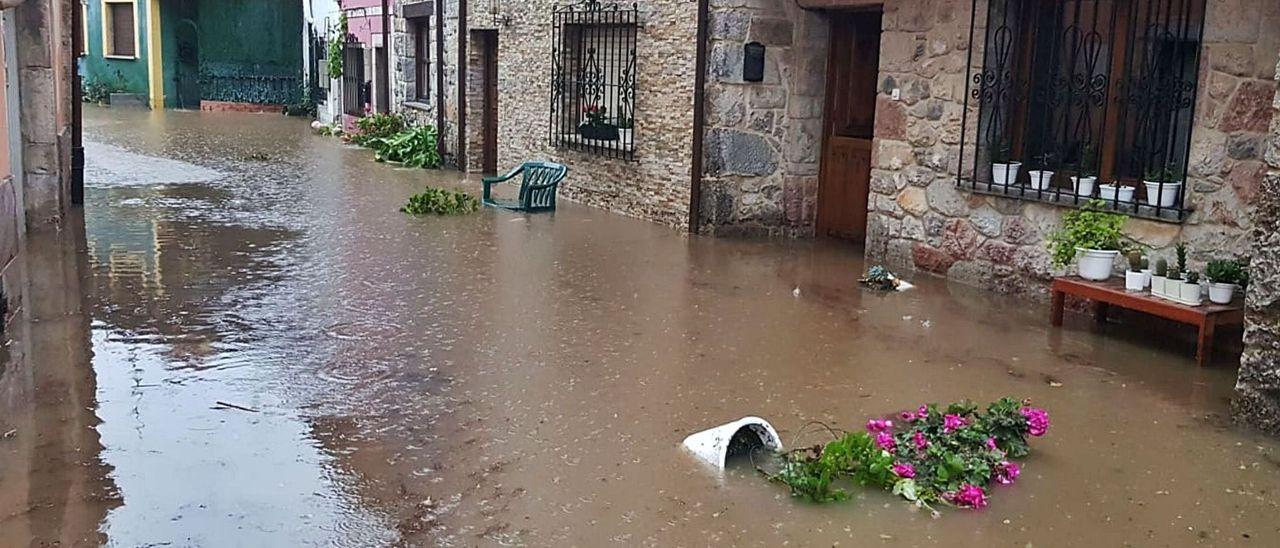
x=712, y=445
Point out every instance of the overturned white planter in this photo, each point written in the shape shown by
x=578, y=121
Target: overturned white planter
x=712, y=445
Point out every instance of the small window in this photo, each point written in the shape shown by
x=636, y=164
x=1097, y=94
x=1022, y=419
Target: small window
x=421, y=59
x=1085, y=99
x=120, y=28
x=593, y=80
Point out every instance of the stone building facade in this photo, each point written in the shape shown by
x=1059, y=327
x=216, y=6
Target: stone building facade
x=1258, y=389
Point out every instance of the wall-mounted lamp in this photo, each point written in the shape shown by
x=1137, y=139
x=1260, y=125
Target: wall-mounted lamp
x=500, y=18
x=753, y=62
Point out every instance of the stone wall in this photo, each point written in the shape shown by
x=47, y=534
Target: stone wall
x=920, y=219
x=655, y=186
x=1258, y=390
x=404, y=69
x=763, y=139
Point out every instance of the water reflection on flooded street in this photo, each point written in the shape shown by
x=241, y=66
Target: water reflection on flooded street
x=267, y=353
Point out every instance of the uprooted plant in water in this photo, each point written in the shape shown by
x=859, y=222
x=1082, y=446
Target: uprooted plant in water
x=439, y=201
x=928, y=456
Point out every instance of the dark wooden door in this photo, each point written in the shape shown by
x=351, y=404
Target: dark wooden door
x=187, y=72
x=852, y=76
x=490, y=45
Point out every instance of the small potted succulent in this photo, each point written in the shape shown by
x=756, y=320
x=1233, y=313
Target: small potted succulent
x=1004, y=170
x=1163, y=185
x=1041, y=179
x=1225, y=276
x=1146, y=272
x=1159, y=278
x=1092, y=234
x=1173, y=286
x=1134, y=279
x=1190, y=291
x=1086, y=176
x=1116, y=193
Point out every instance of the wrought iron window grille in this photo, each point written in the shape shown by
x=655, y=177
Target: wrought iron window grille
x=593, y=78
x=1081, y=100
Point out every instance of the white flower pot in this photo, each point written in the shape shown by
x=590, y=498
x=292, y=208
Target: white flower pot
x=1096, y=265
x=1222, y=293
x=1005, y=174
x=1146, y=277
x=1162, y=194
x=1112, y=193
x=1133, y=281
x=1158, y=285
x=1204, y=289
x=1083, y=185
x=1190, y=293
x=1040, y=179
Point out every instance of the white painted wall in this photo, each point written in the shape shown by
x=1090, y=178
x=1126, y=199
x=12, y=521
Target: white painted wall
x=322, y=15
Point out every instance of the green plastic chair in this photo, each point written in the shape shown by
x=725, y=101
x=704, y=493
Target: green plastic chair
x=537, y=187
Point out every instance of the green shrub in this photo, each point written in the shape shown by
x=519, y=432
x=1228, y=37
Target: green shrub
x=414, y=147
x=1228, y=272
x=377, y=126
x=438, y=201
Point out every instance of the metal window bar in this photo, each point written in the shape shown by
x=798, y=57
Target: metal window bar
x=1067, y=89
x=593, y=80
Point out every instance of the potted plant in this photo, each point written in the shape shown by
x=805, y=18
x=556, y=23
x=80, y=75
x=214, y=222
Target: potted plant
x=1159, y=278
x=1134, y=279
x=1163, y=185
x=597, y=126
x=1086, y=173
x=1041, y=179
x=1173, y=286
x=1116, y=193
x=1224, y=277
x=1004, y=170
x=1190, y=292
x=1092, y=234
x=1146, y=272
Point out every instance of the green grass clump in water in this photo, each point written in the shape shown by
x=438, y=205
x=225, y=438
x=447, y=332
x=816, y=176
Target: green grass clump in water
x=438, y=201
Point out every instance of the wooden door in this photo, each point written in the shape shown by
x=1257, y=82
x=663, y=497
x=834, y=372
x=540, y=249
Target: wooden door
x=852, y=76
x=490, y=45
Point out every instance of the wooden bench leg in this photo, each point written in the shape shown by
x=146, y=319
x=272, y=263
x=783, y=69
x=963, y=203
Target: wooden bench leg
x=1204, y=347
x=1056, y=309
x=1100, y=312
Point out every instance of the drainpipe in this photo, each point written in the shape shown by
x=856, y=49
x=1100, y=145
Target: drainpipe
x=384, y=91
x=77, y=106
x=461, y=156
x=699, y=120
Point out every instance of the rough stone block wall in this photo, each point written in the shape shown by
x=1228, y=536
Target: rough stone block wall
x=655, y=186
x=1258, y=389
x=44, y=80
x=404, y=68
x=920, y=218
x=763, y=139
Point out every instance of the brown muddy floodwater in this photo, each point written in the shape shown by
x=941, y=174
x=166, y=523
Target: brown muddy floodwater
x=254, y=348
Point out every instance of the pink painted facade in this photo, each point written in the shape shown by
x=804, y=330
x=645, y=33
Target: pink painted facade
x=364, y=19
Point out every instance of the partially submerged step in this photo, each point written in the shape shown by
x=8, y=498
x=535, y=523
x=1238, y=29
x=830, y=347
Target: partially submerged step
x=713, y=445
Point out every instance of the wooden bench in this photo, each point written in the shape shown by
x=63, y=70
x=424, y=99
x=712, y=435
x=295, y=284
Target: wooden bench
x=1112, y=293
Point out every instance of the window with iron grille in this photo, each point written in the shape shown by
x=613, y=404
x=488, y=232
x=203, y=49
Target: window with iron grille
x=1084, y=99
x=593, y=80
x=120, y=39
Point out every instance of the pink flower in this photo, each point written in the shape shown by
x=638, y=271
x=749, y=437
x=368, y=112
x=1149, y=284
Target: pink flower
x=1037, y=420
x=969, y=496
x=903, y=470
x=884, y=440
x=877, y=425
x=921, y=442
x=907, y=416
x=923, y=412
x=1007, y=472
x=991, y=444
x=951, y=423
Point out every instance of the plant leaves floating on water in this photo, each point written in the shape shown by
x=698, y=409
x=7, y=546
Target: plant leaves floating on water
x=879, y=277
x=438, y=201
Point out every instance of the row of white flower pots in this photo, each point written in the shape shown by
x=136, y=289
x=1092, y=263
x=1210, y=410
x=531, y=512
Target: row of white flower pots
x=1158, y=193
x=1098, y=265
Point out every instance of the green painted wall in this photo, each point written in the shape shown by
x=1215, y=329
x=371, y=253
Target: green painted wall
x=123, y=75
x=174, y=16
x=250, y=50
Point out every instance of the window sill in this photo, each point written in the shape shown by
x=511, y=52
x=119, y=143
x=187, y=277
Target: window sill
x=121, y=57
x=1063, y=197
x=417, y=105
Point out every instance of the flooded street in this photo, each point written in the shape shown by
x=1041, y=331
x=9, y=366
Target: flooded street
x=249, y=345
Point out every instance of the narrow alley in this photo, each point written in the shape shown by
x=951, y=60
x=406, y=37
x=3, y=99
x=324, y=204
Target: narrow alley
x=267, y=353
